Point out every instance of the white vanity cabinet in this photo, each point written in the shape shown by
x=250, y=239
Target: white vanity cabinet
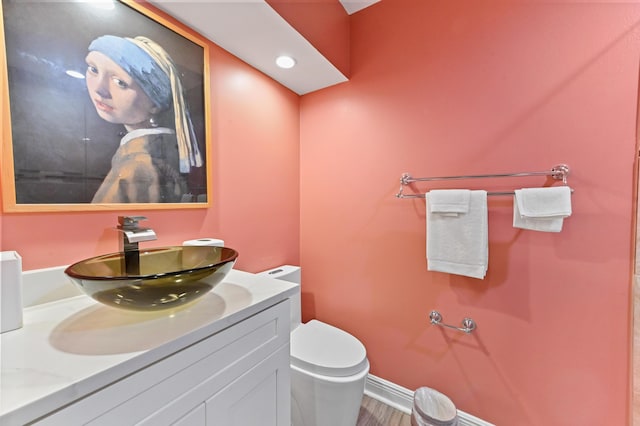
x=231, y=371
x=239, y=376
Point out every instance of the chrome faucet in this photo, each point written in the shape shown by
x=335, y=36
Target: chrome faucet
x=132, y=233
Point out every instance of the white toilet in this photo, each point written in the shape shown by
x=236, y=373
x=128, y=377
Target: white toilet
x=328, y=367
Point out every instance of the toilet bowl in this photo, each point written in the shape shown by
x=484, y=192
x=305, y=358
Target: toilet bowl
x=329, y=367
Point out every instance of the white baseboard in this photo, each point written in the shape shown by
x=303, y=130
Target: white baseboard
x=391, y=394
x=402, y=399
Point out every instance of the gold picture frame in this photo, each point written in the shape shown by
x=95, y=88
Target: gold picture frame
x=58, y=150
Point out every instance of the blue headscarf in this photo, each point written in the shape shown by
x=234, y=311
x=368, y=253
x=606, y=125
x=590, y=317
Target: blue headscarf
x=144, y=70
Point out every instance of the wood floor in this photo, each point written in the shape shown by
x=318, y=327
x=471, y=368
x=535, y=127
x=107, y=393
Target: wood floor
x=376, y=413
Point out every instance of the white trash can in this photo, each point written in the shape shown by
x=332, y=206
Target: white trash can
x=432, y=408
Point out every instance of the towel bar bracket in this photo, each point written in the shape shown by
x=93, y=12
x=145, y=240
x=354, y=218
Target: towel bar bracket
x=468, y=324
x=560, y=172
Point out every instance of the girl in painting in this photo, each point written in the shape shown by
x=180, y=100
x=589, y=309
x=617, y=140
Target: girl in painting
x=134, y=82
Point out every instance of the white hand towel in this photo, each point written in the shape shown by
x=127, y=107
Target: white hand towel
x=457, y=241
x=541, y=209
x=449, y=201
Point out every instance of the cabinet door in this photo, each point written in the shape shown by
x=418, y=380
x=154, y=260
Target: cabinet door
x=195, y=417
x=260, y=397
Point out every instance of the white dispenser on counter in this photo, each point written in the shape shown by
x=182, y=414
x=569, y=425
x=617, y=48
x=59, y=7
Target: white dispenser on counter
x=10, y=291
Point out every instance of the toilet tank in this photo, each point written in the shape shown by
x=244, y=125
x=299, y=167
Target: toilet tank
x=292, y=274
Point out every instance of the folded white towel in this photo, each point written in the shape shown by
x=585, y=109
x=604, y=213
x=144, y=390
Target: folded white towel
x=449, y=201
x=457, y=241
x=541, y=209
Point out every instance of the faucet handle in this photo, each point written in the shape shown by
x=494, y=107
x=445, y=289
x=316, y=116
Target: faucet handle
x=130, y=221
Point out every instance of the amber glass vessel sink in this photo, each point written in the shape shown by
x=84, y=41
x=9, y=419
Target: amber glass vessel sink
x=153, y=279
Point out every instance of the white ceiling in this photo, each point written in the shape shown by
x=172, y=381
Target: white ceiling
x=352, y=6
x=255, y=33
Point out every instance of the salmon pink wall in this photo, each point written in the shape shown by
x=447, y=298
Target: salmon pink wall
x=467, y=87
x=255, y=206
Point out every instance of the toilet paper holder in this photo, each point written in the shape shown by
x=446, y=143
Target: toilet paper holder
x=468, y=324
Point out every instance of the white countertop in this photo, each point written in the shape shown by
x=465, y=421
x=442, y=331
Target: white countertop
x=74, y=346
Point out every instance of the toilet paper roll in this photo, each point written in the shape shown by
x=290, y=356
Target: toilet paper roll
x=204, y=242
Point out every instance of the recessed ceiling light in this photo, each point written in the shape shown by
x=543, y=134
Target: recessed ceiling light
x=285, y=62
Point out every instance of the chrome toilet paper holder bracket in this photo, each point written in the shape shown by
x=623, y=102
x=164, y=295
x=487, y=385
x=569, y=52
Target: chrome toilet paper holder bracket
x=468, y=324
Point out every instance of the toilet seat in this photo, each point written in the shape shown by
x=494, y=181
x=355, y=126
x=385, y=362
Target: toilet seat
x=326, y=350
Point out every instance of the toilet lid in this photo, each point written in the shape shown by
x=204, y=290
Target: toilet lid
x=323, y=349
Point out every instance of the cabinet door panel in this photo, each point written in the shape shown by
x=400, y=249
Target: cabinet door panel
x=260, y=397
x=196, y=417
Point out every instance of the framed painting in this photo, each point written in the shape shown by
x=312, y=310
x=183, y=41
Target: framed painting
x=105, y=107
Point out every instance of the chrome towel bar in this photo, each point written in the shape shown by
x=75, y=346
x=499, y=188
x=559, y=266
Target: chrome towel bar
x=468, y=324
x=558, y=172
